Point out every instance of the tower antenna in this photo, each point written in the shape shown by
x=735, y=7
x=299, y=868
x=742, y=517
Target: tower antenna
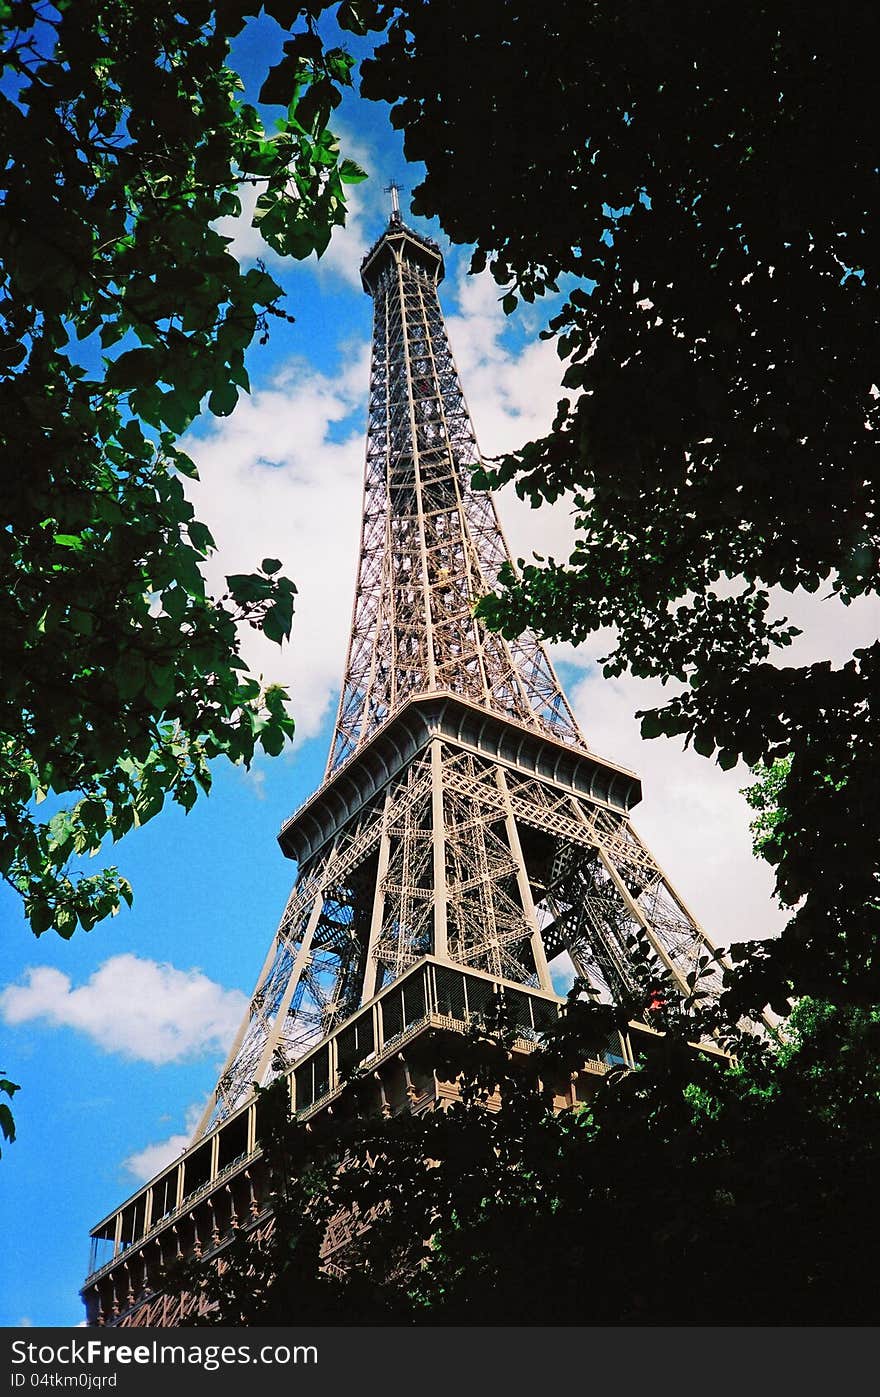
x=394, y=190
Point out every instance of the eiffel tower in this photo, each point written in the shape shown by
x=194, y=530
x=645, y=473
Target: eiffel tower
x=464, y=838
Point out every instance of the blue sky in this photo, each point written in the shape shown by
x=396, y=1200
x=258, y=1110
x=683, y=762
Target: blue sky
x=117, y=1035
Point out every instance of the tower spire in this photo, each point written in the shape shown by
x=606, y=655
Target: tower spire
x=394, y=190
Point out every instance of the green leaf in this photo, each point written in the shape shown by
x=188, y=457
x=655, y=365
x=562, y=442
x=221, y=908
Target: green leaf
x=186, y=794
x=282, y=81
x=349, y=17
x=352, y=173
x=278, y=620
x=130, y=675
x=65, y=922
x=136, y=366
x=176, y=409
x=223, y=399
x=652, y=725
x=200, y=537
x=185, y=466
x=704, y=744
x=248, y=587
x=39, y=915
x=272, y=741
x=263, y=288
x=7, y=1123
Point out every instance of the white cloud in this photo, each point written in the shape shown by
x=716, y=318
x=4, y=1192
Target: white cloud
x=512, y=399
x=255, y=778
x=512, y=396
x=692, y=816
x=145, y=1010
x=147, y=1163
x=829, y=630
x=275, y=483
x=247, y=244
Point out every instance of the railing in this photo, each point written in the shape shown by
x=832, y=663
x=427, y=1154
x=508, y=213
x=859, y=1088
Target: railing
x=450, y=998
x=176, y=1213
x=433, y=986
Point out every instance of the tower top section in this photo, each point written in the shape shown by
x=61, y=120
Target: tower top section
x=400, y=246
x=431, y=546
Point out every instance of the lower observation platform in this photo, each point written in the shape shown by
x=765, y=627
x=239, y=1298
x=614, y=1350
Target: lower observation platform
x=219, y=1183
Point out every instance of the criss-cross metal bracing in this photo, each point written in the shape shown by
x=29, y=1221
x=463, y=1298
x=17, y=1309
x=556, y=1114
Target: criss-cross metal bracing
x=468, y=859
x=497, y=842
x=430, y=546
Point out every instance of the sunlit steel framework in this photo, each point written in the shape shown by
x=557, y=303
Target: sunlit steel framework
x=463, y=821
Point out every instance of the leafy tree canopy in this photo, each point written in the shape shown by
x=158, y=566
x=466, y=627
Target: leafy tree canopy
x=689, y=1191
x=702, y=182
x=122, y=312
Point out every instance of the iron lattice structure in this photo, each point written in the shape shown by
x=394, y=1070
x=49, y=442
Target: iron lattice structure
x=462, y=815
x=430, y=545
x=463, y=839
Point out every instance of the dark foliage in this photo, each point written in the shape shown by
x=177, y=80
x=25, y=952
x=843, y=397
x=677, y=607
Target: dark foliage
x=122, y=314
x=702, y=182
x=689, y=1192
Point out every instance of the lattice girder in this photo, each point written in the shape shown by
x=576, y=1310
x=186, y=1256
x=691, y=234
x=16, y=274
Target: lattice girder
x=485, y=862
x=430, y=545
x=463, y=857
